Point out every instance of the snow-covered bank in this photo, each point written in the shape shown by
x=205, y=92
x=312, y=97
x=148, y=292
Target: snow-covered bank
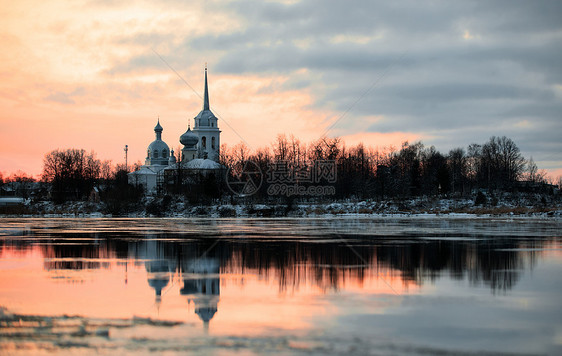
x=507, y=205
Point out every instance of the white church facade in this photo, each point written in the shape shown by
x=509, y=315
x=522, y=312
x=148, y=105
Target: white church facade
x=200, y=152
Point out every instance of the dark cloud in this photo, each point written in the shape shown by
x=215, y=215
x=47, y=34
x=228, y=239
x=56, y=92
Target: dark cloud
x=408, y=61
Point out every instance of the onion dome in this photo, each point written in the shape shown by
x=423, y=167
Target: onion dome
x=158, y=130
x=159, y=149
x=206, y=313
x=158, y=127
x=189, y=138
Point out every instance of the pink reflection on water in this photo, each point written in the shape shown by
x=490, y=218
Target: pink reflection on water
x=236, y=301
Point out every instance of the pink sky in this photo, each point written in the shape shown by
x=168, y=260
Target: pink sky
x=85, y=75
x=58, y=90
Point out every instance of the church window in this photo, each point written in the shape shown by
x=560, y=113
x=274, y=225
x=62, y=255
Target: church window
x=204, y=142
x=155, y=153
x=164, y=153
x=213, y=143
x=148, y=153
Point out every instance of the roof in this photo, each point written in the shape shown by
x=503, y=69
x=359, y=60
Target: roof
x=206, y=112
x=144, y=170
x=200, y=163
x=11, y=201
x=206, y=98
x=159, y=145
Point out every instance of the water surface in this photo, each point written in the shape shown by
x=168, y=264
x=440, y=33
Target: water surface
x=255, y=286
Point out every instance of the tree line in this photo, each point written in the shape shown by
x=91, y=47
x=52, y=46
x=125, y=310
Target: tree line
x=412, y=170
x=74, y=174
x=362, y=172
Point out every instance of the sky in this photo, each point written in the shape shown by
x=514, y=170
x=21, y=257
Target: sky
x=97, y=74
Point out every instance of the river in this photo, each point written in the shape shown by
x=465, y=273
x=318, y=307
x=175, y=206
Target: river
x=342, y=285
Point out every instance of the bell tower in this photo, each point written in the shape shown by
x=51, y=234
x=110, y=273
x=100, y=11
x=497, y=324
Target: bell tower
x=206, y=128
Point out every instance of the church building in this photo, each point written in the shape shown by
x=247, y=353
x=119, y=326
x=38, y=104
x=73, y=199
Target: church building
x=200, y=152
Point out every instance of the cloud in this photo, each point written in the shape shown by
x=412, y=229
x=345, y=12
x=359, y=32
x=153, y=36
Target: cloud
x=60, y=97
x=451, y=73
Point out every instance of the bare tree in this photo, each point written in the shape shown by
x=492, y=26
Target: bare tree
x=281, y=148
x=458, y=165
x=71, y=172
x=225, y=155
x=502, y=162
x=532, y=170
x=474, y=163
x=106, y=170
x=137, y=165
x=241, y=151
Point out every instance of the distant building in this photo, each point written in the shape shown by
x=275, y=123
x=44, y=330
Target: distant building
x=11, y=201
x=157, y=158
x=22, y=189
x=200, y=152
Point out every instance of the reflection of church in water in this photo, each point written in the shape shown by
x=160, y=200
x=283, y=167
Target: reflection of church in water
x=201, y=285
x=199, y=155
x=200, y=275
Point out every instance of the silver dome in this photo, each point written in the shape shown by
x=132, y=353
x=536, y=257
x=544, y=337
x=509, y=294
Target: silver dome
x=159, y=145
x=189, y=138
x=159, y=152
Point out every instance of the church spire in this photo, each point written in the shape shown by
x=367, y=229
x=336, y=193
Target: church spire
x=206, y=98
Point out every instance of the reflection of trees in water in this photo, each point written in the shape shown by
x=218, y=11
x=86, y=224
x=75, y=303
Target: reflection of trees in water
x=328, y=264
x=76, y=257
x=496, y=263
x=325, y=265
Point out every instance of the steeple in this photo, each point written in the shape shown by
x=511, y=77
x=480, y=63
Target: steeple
x=206, y=98
x=206, y=128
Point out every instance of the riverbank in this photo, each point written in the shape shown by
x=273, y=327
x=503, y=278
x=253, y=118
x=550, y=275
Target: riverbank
x=507, y=205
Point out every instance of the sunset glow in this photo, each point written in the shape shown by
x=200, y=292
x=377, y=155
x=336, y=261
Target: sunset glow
x=89, y=75
x=113, y=289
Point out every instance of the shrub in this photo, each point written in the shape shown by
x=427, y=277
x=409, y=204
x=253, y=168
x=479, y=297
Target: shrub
x=480, y=199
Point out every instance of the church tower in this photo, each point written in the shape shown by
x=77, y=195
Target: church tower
x=158, y=151
x=206, y=129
